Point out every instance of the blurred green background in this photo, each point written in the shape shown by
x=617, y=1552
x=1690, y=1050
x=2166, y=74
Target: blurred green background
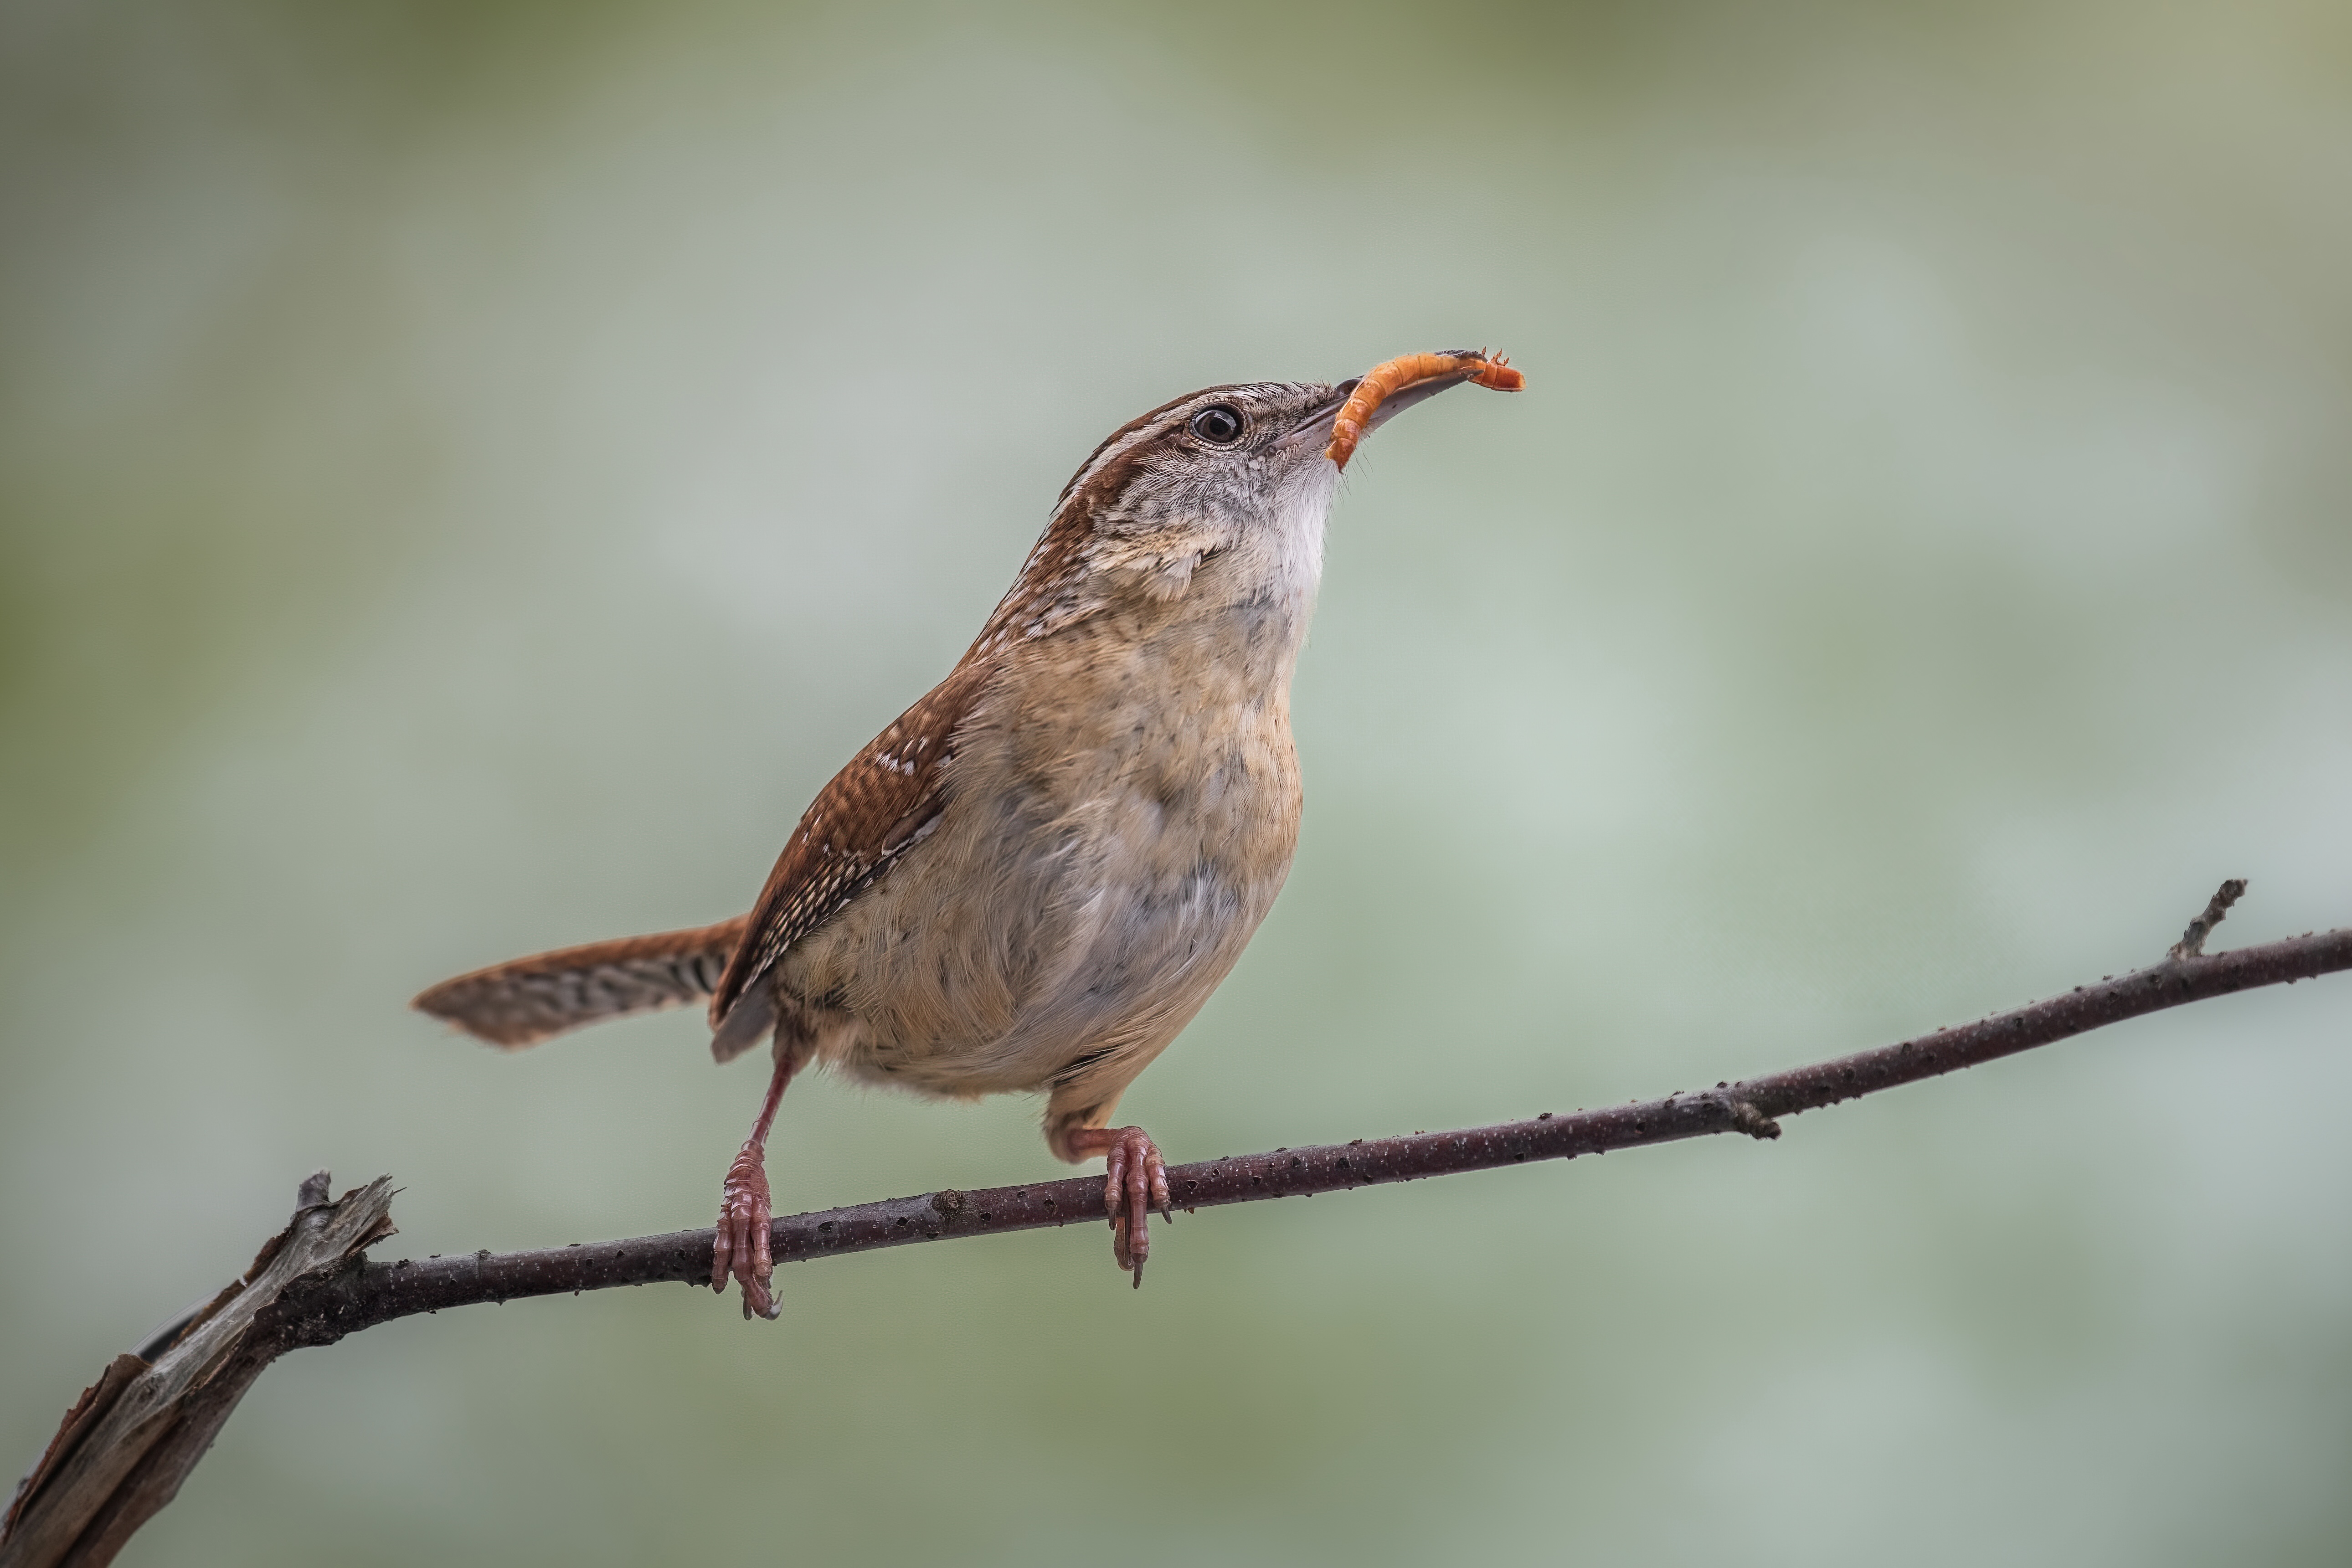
x=469, y=473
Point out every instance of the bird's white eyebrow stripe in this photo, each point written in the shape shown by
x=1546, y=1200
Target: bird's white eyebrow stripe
x=1108, y=456
x=1148, y=425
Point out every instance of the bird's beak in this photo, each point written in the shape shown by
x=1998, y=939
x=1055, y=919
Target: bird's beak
x=1315, y=429
x=1404, y=397
x=1314, y=426
x=1399, y=384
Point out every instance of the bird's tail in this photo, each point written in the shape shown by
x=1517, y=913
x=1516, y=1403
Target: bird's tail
x=526, y=1000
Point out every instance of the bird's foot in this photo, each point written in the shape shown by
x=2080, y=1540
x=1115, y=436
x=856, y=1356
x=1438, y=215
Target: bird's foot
x=743, y=1250
x=1135, y=1183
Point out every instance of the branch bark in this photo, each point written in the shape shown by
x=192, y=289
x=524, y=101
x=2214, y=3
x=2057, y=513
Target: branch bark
x=123, y=1450
x=135, y=1434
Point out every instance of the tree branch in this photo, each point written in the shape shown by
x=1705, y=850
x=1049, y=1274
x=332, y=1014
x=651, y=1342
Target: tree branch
x=67, y=1513
x=324, y=1310
x=135, y=1434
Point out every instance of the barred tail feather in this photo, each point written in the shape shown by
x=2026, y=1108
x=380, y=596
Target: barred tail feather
x=526, y=1000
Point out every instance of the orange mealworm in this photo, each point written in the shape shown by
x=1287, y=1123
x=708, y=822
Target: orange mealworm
x=1384, y=381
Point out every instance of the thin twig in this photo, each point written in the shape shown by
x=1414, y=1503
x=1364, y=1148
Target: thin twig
x=125, y=1450
x=321, y=1311
x=2192, y=940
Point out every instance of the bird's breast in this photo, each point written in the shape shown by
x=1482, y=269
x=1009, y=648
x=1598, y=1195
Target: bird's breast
x=1122, y=811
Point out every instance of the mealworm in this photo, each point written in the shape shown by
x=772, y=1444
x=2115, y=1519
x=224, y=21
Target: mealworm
x=1385, y=380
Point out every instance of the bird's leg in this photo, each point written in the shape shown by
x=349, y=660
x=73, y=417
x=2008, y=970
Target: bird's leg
x=744, y=1245
x=1135, y=1184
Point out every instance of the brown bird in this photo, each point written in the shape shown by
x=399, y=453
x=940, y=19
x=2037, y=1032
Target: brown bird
x=1035, y=876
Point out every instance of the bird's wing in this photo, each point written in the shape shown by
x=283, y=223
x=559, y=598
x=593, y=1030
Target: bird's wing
x=875, y=809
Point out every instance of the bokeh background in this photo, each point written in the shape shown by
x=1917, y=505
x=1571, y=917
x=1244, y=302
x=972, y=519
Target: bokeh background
x=469, y=472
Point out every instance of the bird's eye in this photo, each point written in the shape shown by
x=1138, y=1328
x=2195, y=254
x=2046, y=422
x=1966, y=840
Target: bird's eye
x=1219, y=425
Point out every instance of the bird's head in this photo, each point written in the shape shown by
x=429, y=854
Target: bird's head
x=1244, y=472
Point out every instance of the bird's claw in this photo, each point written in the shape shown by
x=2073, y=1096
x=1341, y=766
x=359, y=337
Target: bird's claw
x=745, y=1249
x=1135, y=1183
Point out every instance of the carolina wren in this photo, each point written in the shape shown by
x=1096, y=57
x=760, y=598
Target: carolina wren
x=1033, y=879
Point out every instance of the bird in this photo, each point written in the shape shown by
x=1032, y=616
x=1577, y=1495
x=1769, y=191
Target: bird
x=1033, y=879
